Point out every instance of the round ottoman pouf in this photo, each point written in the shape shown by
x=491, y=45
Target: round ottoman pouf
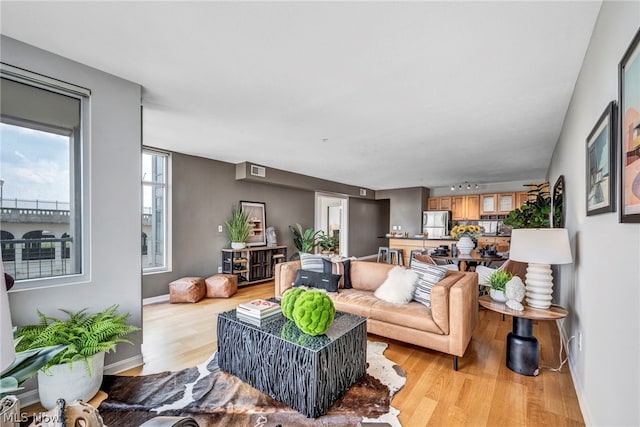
x=187, y=289
x=221, y=285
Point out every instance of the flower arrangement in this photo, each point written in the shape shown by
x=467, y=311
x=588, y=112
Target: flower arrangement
x=462, y=230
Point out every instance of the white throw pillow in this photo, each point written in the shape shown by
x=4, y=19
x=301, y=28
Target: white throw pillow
x=399, y=286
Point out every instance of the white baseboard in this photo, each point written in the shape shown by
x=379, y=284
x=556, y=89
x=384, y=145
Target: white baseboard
x=586, y=414
x=156, y=299
x=30, y=397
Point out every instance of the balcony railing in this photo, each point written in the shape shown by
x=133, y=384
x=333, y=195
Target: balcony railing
x=37, y=258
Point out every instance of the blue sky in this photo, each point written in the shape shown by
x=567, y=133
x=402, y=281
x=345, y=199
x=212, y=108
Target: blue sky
x=34, y=164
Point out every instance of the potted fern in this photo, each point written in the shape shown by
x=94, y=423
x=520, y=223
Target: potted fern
x=76, y=372
x=238, y=227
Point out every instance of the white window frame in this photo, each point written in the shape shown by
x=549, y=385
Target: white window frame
x=167, y=267
x=81, y=173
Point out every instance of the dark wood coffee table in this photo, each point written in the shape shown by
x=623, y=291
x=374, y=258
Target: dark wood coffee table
x=522, y=346
x=307, y=373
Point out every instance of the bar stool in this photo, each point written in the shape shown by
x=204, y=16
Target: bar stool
x=383, y=254
x=399, y=256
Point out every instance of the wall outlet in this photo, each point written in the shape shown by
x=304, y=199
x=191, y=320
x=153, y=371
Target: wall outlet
x=394, y=228
x=219, y=269
x=219, y=229
x=399, y=227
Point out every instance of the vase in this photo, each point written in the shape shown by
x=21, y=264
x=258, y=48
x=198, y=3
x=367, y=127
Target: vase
x=77, y=380
x=465, y=245
x=497, y=295
x=238, y=245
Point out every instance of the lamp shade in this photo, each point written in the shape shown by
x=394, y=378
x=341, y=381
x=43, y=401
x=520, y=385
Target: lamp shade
x=7, y=351
x=540, y=245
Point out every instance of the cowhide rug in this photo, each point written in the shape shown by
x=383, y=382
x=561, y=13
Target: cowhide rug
x=215, y=398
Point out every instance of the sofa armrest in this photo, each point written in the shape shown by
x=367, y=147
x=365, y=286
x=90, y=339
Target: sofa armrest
x=463, y=312
x=285, y=275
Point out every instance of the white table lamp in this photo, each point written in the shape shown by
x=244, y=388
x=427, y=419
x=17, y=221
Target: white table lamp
x=7, y=352
x=540, y=247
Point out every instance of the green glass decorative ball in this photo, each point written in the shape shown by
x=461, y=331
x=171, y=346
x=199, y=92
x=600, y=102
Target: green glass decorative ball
x=289, y=300
x=313, y=312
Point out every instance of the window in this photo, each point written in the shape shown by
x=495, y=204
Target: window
x=155, y=179
x=41, y=161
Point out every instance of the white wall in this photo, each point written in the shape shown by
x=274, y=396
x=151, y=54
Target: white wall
x=602, y=288
x=114, y=196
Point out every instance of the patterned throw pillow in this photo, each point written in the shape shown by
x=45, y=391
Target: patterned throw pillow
x=343, y=268
x=313, y=279
x=429, y=275
x=312, y=262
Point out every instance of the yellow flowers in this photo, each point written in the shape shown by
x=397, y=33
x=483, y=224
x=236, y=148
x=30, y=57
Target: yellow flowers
x=465, y=230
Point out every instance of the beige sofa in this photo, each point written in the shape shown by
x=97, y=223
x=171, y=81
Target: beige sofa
x=447, y=326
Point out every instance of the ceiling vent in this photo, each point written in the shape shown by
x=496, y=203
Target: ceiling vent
x=258, y=171
x=363, y=192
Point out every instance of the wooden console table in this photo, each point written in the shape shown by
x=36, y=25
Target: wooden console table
x=252, y=264
x=522, y=347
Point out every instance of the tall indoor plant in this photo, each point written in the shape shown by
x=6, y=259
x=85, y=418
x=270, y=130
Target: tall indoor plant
x=75, y=372
x=238, y=227
x=535, y=212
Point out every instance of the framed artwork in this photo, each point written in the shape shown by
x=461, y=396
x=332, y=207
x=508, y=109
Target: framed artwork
x=257, y=216
x=557, y=204
x=601, y=152
x=629, y=86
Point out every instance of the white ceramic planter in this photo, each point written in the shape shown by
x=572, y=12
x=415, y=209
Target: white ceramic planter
x=498, y=296
x=238, y=245
x=465, y=245
x=70, y=381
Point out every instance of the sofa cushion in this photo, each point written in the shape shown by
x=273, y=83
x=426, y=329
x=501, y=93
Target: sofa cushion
x=341, y=267
x=399, y=286
x=313, y=279
x=311, y=262
x=412, y=315
x=368, y=276
x=429, y=275
x=354, y=301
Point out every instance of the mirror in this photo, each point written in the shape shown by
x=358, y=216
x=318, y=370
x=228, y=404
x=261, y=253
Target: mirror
x=557, y=204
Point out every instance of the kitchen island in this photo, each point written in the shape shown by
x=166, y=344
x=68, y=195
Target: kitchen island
x=407, y=244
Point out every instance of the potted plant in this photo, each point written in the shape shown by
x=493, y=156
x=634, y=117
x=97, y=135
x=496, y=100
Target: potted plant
x=74, y=373
x=498, y=281
x=304, y=241
x=327, y=243
x=466, y=235
x=536, y=211
x=25, y=366
x=238, y=227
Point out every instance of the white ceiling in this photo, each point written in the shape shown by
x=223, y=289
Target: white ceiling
x=405, y=94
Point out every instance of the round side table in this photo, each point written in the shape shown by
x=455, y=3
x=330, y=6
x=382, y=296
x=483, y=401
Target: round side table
x=522, y=347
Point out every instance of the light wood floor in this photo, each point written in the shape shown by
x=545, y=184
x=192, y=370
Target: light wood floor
x=482, y=393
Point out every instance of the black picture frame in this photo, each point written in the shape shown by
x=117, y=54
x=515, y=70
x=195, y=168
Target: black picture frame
x=629, y=123
x=257, y=215
x=558, y=204
x=600, y=163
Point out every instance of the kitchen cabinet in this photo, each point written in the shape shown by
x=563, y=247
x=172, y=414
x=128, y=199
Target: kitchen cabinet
x=465, y=207
x=488, y=204
x=521, y=198
x=506, y=203
x=439, y=204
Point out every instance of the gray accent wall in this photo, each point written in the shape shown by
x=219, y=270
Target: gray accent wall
x=114, y=197
x=203, y=193
x=406, y=206
x=601, y=289
x=368, y=220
